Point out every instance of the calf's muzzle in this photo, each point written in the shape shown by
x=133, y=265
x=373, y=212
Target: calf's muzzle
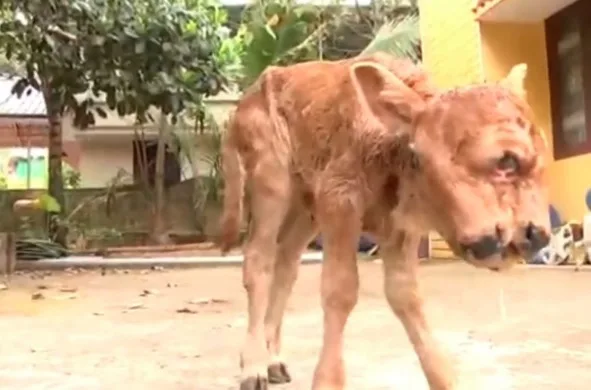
x=533, y=238
x=484, y=247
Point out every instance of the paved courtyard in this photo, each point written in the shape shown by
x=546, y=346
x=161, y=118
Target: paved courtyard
x=175, y=329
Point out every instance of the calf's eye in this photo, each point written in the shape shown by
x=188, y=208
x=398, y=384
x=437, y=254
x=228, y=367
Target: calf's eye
x=508, y=163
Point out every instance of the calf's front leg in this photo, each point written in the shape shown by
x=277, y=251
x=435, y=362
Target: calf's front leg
x=400, y=259
x=339, y=291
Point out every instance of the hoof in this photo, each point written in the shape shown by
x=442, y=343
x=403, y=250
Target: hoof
x=278, y=373
x=254, y=383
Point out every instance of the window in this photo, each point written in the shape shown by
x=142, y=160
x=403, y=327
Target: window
x=144, y=163
x=568, y=41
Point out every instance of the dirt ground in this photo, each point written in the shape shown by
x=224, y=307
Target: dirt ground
x=528, y=329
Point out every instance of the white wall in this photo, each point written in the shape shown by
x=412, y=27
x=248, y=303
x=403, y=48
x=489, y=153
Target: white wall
x=100, y=160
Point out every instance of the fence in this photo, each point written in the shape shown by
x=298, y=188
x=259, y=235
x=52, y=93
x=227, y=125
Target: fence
x=127, y=212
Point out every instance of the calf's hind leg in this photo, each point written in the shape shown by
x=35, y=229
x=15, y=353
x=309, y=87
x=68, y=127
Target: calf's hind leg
x=269, y=202
x=296, y=235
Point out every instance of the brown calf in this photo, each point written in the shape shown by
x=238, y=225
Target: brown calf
x=369, y=144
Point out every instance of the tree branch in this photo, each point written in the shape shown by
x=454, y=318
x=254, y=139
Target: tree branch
x=312, y=37
x=64, y=34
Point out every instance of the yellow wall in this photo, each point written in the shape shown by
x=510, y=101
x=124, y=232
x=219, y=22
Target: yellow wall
x=450, y=42
x=507, y=44
x=570, y=180
x=459, y=50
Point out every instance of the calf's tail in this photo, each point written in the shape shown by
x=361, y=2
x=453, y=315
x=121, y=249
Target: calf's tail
x=233, y=173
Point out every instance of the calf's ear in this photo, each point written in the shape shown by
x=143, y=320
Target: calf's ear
x=383, y=95
x=515, y=80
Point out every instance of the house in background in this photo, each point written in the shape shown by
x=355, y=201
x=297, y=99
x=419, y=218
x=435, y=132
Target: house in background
x=23, y=137
x=111, y=145
x=98, y=153
x=467, y=41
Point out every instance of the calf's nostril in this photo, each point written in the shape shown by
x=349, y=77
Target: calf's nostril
x=485, y=247
x=536, y=237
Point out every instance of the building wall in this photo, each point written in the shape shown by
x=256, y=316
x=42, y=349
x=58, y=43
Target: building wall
x=101, y=160
x=450, y=42
x=570, y=181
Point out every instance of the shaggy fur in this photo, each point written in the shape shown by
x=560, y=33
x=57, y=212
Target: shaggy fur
x=369, y=144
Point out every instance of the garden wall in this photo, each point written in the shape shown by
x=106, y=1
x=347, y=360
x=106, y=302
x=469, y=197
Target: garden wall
x=95, y=213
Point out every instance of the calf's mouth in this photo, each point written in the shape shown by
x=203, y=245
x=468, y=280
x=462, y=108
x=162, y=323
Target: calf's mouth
x=490, y=255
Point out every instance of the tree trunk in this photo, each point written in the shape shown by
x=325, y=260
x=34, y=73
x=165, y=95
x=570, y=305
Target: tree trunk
x=159, y=229
x=56, y=180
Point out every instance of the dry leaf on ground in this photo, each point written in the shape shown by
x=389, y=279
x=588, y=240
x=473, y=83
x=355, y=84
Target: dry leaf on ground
x=37, y=296
x=187, y=310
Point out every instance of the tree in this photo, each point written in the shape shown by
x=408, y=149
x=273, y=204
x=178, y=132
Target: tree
x=384, y=25
x=133, y=54
x=10, y=68
x=399, y=38
x=281, y=32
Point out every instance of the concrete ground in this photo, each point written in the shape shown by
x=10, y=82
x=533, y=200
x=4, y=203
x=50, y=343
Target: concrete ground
x=182, y=329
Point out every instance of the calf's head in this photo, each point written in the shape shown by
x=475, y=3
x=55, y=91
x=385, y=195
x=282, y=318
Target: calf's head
x=479, y=161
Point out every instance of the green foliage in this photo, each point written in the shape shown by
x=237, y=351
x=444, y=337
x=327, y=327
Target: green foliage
x=392, y=24
x=48, y=203
x=71, y=177
x=230, y=55
x=136, y=54
x=231, y=48
x=281, y=32
x=399, y=38
x=12, y=68
x=276, y=32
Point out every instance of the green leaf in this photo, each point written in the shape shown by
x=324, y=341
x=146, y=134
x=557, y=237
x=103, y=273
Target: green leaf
x=48, y=203
x=8, y=51
x=98, y=40
x=307, y=13
x=400, y=39
x=130, y=33
x=90, y=121
x=102, y=113
x=165, y=78
x=121, y=108
x=19, y=87
x=274, y=9
x=270, y=31
x=291, y=35
x=50, y=42
x=140, y=47
x=111, y=100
